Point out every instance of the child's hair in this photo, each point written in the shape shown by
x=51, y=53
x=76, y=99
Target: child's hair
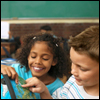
x=61, y=68
x=46, y=27
x=87, y=42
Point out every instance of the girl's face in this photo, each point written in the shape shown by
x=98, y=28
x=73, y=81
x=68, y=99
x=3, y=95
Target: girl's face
x=40, y=59
x=85, y=70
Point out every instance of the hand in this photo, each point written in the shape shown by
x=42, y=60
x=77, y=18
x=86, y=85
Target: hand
x=10, y=71
x=35, y=85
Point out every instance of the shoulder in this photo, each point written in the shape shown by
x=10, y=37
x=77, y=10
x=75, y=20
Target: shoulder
x=68, y=84
x=70, y=90
x=55, y=85
x=70, y=81
x=17, y=66
x=58, y=82
x=14, y=65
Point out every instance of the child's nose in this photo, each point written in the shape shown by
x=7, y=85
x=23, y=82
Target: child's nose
x=74, y=70
x=38, y=60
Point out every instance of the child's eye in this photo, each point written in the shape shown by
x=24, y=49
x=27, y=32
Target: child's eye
x=83, y=69
x=33, y=57
x=45, y=59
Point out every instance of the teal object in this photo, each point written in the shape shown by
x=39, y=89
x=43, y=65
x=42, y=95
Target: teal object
x=20, y=93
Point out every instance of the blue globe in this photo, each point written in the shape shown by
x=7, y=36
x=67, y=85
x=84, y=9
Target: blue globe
x=20, y=93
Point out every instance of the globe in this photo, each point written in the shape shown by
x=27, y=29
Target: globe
x=20, y=92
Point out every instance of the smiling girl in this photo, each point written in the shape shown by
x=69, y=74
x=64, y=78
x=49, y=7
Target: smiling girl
x=40, y=57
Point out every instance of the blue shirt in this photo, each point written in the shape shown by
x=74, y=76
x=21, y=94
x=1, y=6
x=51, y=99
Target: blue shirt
x=25, y=75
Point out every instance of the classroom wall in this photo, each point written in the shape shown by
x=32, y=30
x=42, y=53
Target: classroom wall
x=65, y=17
x=59, y=29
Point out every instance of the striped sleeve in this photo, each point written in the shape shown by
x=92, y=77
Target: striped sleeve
x=69, y=91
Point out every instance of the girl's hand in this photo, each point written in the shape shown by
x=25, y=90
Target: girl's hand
x=35, y=85
x=10, y=71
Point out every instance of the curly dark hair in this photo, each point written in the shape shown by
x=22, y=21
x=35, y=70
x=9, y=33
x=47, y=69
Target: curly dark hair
x=61, y=68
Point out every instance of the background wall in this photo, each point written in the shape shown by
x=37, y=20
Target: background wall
x=65, y=17
x=60, y=29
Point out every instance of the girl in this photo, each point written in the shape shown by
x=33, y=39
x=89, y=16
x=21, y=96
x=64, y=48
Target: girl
x=42, y=57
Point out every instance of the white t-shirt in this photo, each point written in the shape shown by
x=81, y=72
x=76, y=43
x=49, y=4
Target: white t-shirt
x=87, y=95
x=71, y=90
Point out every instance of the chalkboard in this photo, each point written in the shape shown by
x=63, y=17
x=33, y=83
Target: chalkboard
x=49, y=9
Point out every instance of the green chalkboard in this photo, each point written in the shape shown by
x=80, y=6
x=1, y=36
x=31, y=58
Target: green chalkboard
x=50, y=9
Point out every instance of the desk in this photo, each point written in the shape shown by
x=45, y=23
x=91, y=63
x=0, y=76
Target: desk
x=10, y=46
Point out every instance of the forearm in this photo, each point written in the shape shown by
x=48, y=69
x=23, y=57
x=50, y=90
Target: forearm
x=45, y=94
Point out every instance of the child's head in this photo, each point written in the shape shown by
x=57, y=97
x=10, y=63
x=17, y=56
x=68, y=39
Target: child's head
x=46, y=29
x=87, y=42
x=84, y=54
x=45, y=54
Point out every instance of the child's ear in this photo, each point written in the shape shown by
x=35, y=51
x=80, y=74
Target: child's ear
x=54, y=62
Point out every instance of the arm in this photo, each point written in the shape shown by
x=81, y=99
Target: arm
x=37, y=86
x=10, y=71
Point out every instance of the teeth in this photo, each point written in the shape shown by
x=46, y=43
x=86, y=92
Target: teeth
x=37, y=68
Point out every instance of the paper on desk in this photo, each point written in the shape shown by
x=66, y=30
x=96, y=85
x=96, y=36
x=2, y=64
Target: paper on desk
x=4, y=30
